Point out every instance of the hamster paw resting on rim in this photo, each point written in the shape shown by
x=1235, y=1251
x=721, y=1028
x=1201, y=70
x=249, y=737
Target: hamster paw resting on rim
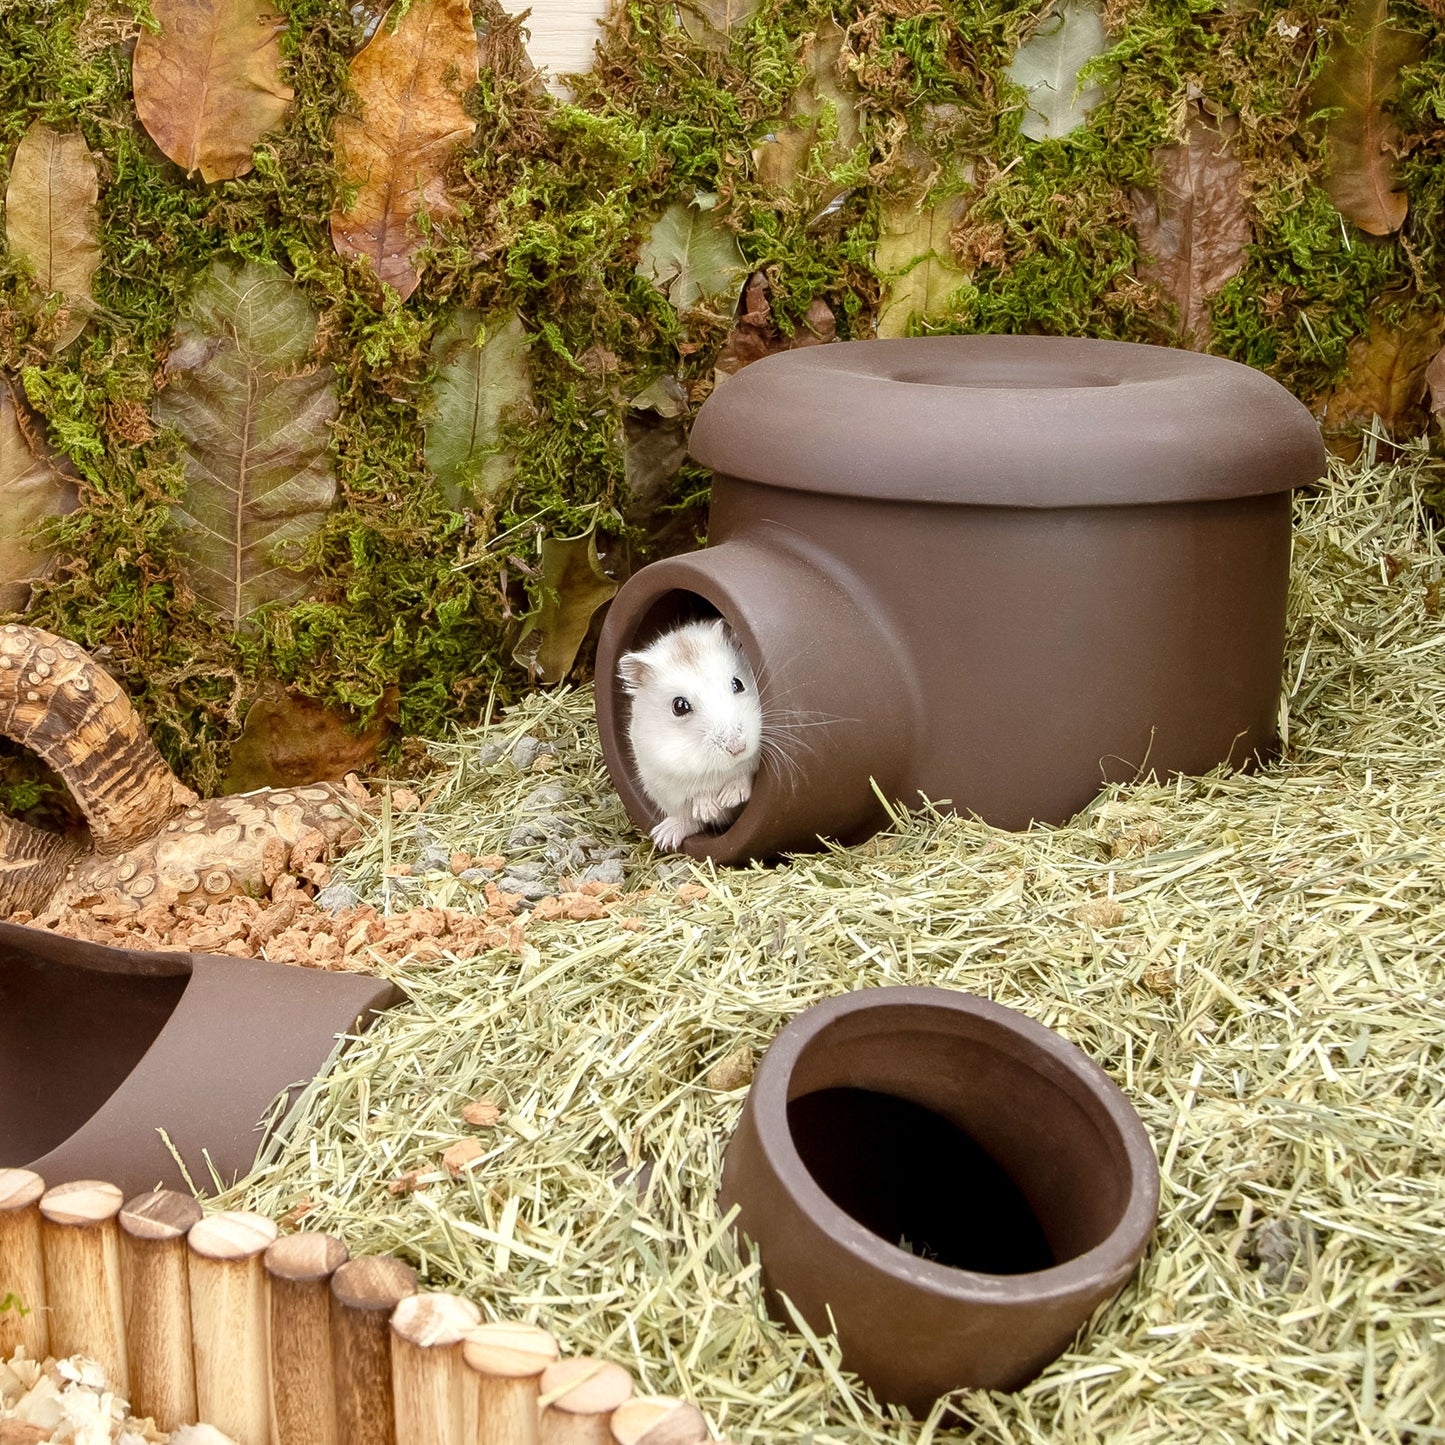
x=695, y=728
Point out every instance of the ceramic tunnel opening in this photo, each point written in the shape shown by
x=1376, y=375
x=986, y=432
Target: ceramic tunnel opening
x=69, y=1038
x=917, y=1181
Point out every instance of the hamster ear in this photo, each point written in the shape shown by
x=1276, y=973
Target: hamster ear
x=634, y=670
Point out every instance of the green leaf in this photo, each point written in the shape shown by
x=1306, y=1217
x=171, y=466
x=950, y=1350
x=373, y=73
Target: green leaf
x=783, y=157
x=1047, y=66
x=712, y=22
x=913, y=250
x=31, y=492
x=481, y=378
x=254, y=419
x=690, y=257
x=572, y=587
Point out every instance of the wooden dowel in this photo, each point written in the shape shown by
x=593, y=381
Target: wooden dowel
x=80, y=1241
x=303, y=1395
x=364, y=1292
x=155, y=1284
x=24, y=1320
x=578, y=1398
x=427, y=1369
x=229, y=1320
x=658, y=1420
x=504, y=1373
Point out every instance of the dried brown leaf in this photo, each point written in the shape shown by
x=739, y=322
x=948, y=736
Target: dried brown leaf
x=784, y=156
x=713, y=22
x=208, y=85
x=289, y=740
x=1358, y=81
x=31, y=491
x=1195, y=226
x=51, y=222
x=756, y=335
x=410, y=81
x=1386, y=377
x=1435, y=381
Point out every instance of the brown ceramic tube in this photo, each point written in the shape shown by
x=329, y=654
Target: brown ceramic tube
x=505, y=1364
x=578, y=1398
x=364, y=1292
x=833, y=693
x=303, y=1396
x=229, y=1322
x=155, y=1277
x=23, y=1316
x=81, y=1243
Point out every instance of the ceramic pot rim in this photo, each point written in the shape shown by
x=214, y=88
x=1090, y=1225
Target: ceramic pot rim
x=1115, y=1255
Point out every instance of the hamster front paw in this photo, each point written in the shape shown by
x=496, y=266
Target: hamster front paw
x=669, y=833
x=735, y=794
x=710, y=808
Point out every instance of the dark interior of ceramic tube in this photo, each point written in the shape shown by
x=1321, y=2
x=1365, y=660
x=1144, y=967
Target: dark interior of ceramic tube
x=962, y=1150
x=917, y=1181
x=69, y=1037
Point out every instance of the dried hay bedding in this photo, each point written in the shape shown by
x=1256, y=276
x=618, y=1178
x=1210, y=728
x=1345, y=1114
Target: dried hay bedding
x=1258, y=960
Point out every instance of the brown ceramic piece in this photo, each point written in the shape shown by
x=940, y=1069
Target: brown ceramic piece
x=101, y=1047
x=957, y=1184
x=995, y=571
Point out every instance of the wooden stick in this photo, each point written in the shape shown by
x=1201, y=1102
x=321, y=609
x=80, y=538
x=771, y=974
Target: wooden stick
x=578, y=1398
x=80, y=1241
x=229, y=1319
x=24, y=1320
x=427, y=1369
x=364, y=1292
x=155, y=1282
x=658, y=1420
x=504, y=1371
x=303, y=1395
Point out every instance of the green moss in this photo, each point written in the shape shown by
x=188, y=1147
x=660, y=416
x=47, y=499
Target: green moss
x=415, y=606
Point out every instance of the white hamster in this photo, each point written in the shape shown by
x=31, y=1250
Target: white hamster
x=696, y=726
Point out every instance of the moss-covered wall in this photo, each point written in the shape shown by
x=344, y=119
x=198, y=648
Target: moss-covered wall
x=889, y=118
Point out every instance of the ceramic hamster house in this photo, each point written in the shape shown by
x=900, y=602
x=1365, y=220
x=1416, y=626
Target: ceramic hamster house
x=994, y=571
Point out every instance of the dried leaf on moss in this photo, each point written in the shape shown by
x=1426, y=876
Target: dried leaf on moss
x=1047, y=65
x=784, y=156
x=713, y=22
x=1195, y=225
x=481, y=379
x=31, y=492
x=572, y=587
x=208, y=84
x=255, y=426
x=755, y=334
x=289, y=740
x=411, y=82
x=691, y=257
x=1386, y=377
x=1360, y=77
x=51, y=223
x=913, y=251
x=1435, y=381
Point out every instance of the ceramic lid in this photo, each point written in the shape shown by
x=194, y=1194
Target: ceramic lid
x=1013, y=421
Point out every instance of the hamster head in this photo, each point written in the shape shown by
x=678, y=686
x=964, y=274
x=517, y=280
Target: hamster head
x=697, y=722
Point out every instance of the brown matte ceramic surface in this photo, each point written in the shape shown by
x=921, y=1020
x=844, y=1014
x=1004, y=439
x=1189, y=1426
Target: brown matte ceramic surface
x=995, y=571
x=101, y=1047
x=959, y=1185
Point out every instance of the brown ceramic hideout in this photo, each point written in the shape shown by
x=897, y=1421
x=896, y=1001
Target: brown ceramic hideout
x=102, y=1047
x=996, y=571
x=956, y=1186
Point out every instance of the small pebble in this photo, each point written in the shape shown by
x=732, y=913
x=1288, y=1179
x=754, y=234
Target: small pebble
x=523, y=751
x=531, y=889
x=337, y=897
x=610, y=871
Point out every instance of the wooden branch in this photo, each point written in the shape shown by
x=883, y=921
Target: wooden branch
x=364, y=1292
x=155, y=1281
x=229, y=1319
x=24, y=1320
x=505, y=1363
x=303, y=1391
x=80, y=1241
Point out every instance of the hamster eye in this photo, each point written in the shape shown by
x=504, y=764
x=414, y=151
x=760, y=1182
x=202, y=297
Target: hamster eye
x=681, y=707
x=738, y=685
